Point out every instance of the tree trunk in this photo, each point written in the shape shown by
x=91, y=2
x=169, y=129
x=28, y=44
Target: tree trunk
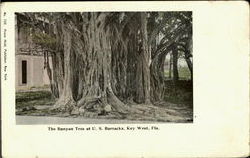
x=157, y=77
x=91, y=78
x=49, y=73
x=175, y=66
x=145, y=59
x=66, y=100
x=189, y=63
x=102, y=60
x=170, y=65
x=137, y=64
x=190, y=66
x=132, y=63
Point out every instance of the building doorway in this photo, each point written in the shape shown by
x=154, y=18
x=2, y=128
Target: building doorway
x=24, y=72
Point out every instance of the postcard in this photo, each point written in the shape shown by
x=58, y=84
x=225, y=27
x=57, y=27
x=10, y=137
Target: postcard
x=125, y=79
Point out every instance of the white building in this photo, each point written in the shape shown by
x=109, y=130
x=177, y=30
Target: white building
x=29, y=61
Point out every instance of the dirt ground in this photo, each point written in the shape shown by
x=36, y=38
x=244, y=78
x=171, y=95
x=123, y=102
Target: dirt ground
x=178, y=107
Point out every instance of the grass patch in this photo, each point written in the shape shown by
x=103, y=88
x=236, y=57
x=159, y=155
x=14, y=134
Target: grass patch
x=183, y=72
x=30, y=99
x=182, y=93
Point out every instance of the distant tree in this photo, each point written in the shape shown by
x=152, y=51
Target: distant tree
x=174, y=27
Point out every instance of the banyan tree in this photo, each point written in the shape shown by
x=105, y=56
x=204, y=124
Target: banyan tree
x=105, y=61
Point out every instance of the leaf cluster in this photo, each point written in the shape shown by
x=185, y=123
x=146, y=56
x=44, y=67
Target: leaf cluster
x=44, y=40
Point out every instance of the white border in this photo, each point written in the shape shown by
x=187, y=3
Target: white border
x=221, y=92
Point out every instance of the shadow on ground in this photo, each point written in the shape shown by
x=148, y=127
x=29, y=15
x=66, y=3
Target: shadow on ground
x=177, y=107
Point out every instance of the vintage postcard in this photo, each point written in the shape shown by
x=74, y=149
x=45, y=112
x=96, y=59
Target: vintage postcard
x=125, y=79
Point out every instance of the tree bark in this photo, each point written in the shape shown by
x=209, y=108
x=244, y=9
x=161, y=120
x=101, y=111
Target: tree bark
x=170, y=65
x=190, y=66
x=157, y=77
x=66, y=100
x=87, y=85
x=103, y=60
x=175, y=66
x=145, y=58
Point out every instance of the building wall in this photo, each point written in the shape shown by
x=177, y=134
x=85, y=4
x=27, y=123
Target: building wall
x=36, y=74
x=28, y=51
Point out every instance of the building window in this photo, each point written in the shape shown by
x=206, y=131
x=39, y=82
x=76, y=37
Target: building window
x=24, y=72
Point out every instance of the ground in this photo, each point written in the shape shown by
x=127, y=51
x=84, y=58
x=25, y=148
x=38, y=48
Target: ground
x=178, y=107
